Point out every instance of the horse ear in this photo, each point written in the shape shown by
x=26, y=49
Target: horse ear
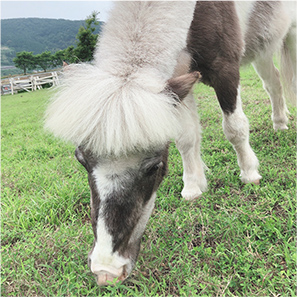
x=182, y=85
x=80, y=157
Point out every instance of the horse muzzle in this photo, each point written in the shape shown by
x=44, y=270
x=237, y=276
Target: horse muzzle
x=108, y=276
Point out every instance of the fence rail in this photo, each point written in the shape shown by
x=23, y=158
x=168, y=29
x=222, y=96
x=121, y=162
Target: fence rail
x=29, y=83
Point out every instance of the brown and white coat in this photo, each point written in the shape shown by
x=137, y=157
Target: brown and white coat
x=122, y=111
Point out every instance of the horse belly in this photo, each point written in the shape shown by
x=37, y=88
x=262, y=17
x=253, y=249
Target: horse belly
x=264, y=25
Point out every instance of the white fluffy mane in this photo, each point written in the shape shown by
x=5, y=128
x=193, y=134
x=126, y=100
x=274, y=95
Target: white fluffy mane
x=108, y=116
x=117, y=105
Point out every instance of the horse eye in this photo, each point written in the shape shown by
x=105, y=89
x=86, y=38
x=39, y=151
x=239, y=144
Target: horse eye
x=154, y=168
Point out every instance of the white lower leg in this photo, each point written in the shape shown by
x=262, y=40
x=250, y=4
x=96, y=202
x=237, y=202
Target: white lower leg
x=271, y=82
x=188, y=145
x=236, y=129
x=194, y=179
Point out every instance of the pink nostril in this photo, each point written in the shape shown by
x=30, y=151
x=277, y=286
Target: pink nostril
x=104, y=278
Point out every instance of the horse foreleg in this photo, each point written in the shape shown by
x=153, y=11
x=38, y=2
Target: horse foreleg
x=188, y=144
x=236, y=129
x=271, y=82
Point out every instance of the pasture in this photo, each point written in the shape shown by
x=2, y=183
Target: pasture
x=236, y=240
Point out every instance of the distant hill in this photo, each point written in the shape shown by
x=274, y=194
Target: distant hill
x=37, y=35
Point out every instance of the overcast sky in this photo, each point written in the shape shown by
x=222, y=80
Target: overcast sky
x=70, y=10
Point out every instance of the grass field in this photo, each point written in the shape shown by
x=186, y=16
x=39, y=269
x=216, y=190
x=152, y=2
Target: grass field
x=236, y=240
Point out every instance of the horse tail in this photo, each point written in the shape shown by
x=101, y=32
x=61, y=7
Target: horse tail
x=288, y=66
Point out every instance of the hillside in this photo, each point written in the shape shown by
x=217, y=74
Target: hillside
x=36, y=35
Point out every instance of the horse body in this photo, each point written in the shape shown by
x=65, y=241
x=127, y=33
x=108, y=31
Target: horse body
x=269, y=29
x=237, y=33
x=122, y=111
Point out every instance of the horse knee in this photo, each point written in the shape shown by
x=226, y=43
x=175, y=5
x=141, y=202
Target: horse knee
x=190, y=136
x=236, y=128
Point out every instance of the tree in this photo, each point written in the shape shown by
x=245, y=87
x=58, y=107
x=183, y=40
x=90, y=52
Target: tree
x=25, y=61
x=70, y=55
x=44, y=60
x=58, y=58
x=87, y=39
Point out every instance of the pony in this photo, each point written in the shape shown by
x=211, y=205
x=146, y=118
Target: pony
x=122, y=111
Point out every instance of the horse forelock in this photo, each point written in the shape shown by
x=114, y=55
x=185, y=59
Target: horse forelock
x=118, y=106
x=112, y=115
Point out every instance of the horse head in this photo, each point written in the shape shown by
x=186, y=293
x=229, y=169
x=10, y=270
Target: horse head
x=123, y=191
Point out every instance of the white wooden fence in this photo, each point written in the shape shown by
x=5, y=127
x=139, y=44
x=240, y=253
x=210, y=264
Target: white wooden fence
x=29, y=82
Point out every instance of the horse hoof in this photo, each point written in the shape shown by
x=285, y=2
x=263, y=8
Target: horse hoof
x=191, y=195
x=193, y=198
x=280, y=127
x=256, y=182
x=251, y=178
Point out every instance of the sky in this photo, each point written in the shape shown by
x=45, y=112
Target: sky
x=69, y=10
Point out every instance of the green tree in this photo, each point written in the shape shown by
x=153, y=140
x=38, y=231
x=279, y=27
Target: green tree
x=58, y=58
x=87, y=39
x=25, y=61
x=70, y=55
x=44, y=60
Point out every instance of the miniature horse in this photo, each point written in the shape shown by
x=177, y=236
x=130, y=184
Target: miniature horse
x=122, y=111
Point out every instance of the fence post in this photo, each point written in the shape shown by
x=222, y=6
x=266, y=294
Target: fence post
x=11, y=85
x=55, y=78
x=33, y=82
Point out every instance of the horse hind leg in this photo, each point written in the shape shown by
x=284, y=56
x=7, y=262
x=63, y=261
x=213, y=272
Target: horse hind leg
x=288, y=66
x=188, y=144
x=271, y=83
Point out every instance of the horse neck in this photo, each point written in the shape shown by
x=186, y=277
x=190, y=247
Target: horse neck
x=141, y=35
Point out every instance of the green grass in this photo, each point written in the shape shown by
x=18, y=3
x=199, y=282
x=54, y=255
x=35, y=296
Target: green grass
x=236, y=240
